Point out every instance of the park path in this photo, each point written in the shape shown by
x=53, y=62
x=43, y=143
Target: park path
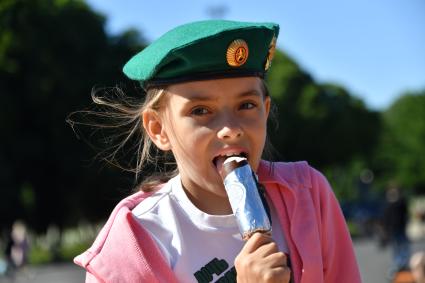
x=373, y=261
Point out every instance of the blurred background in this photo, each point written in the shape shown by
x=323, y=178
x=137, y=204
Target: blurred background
x=348, y=80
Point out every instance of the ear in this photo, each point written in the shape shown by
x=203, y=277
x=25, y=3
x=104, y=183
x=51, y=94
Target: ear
x=267, y=104
x=155, y=129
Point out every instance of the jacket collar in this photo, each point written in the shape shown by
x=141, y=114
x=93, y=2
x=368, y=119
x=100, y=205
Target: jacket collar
x=286, y=174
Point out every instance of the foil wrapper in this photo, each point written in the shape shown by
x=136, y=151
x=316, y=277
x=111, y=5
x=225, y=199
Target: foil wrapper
x=241, y=186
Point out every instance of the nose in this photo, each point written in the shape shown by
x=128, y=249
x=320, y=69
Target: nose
x=230, y=128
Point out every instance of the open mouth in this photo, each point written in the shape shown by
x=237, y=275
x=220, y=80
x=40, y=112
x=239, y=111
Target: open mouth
x=219, y=160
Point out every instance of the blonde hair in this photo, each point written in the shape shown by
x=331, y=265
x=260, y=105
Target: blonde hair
x=115, y=122
x=117, y=118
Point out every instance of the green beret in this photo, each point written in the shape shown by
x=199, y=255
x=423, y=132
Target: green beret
x=205, y=50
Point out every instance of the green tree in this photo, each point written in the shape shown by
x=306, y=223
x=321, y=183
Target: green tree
x=402, y=144
x=321, y=123
x=52, y=52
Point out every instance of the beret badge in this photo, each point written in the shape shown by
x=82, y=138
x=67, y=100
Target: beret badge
x=270, y=55
x=237, y=53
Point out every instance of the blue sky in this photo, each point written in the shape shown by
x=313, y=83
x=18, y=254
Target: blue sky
x=376, y=49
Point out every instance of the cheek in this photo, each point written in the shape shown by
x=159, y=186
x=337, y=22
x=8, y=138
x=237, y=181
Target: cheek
x=258, y=134
x=191, y=140
x=199, y=137
x=257, y=127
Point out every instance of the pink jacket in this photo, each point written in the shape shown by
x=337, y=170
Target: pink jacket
x=320, y=247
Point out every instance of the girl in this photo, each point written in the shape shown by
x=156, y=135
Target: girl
x=205, y=100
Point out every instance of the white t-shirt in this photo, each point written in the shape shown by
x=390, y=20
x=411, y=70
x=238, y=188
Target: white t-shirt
x=198, y=247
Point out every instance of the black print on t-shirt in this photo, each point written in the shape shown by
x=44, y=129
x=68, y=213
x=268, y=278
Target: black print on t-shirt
x=216, y=266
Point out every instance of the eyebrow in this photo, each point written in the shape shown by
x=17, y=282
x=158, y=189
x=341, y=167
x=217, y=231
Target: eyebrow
x=199, y=97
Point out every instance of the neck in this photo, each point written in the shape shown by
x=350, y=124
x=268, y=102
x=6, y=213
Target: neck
x=209, y=202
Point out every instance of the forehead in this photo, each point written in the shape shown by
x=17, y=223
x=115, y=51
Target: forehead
x=214, y=89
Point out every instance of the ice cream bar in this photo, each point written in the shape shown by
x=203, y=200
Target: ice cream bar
x=241, y=186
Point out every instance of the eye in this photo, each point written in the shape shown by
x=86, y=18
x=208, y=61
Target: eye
x=247, y=105
x=199, y=111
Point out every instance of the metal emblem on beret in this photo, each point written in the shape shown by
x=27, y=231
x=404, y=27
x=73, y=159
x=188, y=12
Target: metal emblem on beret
x=237, y=53
x=270, y=54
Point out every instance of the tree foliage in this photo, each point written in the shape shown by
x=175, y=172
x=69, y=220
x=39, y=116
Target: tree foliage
x=51, y=54
x=321, y=123
x=402, y=144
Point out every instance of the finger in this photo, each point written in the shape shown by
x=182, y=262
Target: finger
x=255, y=241
x=266, y=249
x=271, y=255
x=278, y=259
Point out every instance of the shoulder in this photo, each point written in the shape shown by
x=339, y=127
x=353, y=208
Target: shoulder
x=118, y=246
x=288, y=173
x=293, y=175
x=151, y=203
x=120, y=224
x=117, y=224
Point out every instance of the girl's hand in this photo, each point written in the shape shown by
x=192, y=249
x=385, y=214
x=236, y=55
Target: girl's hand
x=260, y=261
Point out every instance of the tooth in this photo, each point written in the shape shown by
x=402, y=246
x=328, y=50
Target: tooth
x=233, y=154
